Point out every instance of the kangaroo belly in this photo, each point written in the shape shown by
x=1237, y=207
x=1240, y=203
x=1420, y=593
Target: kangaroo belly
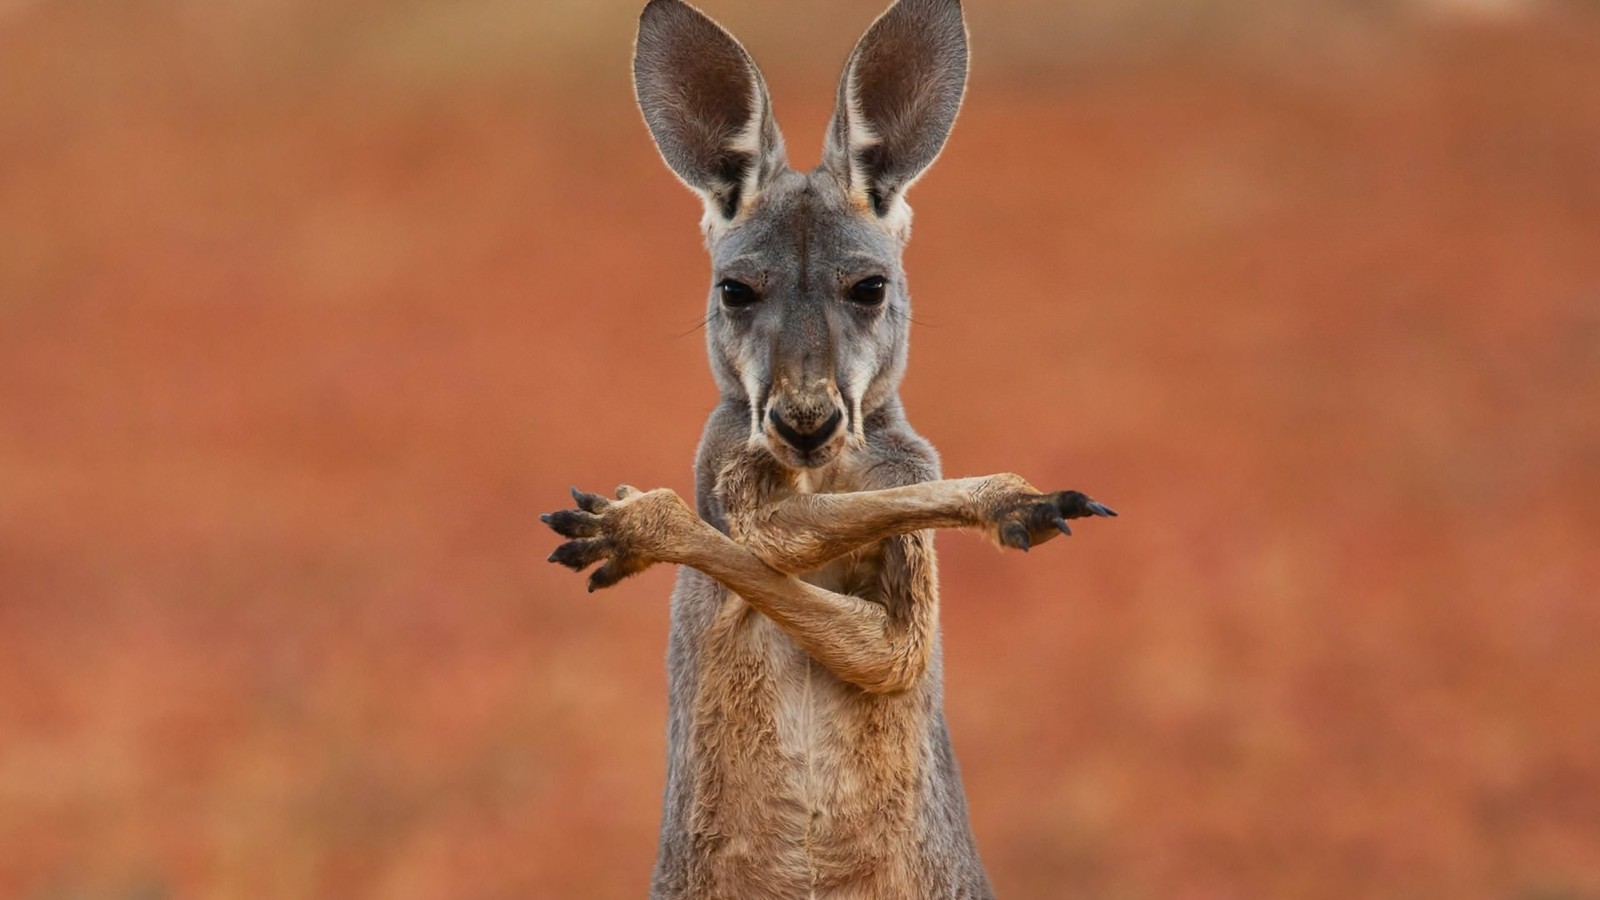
x=805, y=786
x=855, y=759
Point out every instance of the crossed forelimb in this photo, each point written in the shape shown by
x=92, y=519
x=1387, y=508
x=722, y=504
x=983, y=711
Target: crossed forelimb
x=773, y=536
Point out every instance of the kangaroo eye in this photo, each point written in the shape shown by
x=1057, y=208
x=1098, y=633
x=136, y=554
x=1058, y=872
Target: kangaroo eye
x=869, y=291
x=737, y=293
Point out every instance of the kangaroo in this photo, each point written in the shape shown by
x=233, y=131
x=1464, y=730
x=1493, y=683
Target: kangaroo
x=808, y=753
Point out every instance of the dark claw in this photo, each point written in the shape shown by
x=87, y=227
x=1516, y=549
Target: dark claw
x=1015, y=535
x=1062, y=524
x=572, y=523
x=579, y=555
x=1072, y=504
x=1076, y=505
x=589, y=503
x=607, y=575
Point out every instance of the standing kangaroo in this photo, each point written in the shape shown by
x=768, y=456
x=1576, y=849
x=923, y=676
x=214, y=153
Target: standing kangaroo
x=807, y=750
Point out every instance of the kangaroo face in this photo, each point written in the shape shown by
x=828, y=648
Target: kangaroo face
x=809, y=313
x=808, y=316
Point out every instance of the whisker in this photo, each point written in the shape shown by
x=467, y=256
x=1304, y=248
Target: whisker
x=704, y=321
x=906, y=315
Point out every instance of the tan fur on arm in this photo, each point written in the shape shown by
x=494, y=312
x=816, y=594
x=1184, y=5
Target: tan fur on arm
x=796, y=533
x=859, y=641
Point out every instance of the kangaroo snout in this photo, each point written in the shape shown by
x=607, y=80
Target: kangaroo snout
x=810, y=435
x=804, y=426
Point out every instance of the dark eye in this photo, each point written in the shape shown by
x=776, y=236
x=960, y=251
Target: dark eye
x=869, y=291
x=737, y=293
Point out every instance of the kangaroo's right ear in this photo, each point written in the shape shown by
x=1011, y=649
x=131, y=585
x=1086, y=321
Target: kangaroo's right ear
x=707, y=107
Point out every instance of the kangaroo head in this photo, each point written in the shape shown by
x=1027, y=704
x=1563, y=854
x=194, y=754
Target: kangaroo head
x=809, y=315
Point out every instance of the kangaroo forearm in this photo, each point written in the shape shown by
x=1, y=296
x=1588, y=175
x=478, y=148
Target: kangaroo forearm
x=801, y=532
x=849, y=636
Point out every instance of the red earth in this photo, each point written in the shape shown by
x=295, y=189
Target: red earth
x=296, y=344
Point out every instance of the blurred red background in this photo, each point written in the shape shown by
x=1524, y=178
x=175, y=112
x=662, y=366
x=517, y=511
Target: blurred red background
x=307, y=310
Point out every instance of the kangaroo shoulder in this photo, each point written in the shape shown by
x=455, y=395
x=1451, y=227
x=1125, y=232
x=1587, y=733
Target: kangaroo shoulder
x=899, y=456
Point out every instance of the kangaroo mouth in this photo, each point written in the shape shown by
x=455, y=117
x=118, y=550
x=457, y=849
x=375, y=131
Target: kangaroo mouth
x=805, y=449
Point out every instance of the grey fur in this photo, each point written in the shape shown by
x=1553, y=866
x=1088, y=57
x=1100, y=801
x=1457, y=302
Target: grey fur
x=802, y=243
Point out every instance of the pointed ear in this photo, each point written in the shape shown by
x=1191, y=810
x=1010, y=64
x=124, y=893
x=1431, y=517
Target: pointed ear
x=897, y=100
x=706, y=105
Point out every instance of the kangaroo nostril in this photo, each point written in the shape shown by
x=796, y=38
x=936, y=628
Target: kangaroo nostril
x=807, y=441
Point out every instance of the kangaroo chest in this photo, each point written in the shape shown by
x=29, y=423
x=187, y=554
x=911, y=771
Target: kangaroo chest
x=815, y=782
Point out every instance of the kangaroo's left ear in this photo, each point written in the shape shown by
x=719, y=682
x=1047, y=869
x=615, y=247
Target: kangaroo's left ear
x=898, y=99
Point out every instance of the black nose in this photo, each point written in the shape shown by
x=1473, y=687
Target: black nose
x=806, y=442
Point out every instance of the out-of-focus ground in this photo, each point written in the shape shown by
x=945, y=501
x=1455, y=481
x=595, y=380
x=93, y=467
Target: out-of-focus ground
x=307, y=310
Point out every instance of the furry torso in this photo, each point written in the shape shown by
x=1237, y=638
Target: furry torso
x=783, y=780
